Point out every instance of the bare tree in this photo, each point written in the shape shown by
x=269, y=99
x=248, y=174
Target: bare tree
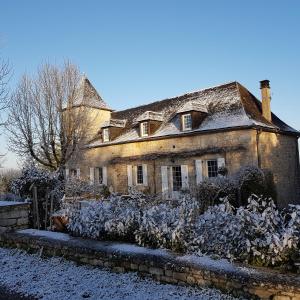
x=4, y=79
x=47, y=118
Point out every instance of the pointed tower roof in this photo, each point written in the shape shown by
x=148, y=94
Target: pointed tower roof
x=89, y=96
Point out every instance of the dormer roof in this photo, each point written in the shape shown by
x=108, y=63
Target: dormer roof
x=150, y=115
x=114, y=123
x=192, y=106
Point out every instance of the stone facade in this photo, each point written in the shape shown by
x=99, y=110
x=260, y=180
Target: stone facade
x=160, y=265
x=226, y=126
x=13, y=215
x=274, y=152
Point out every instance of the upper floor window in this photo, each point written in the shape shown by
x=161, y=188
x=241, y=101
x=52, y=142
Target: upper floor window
x=212, y=168
x=186, y=122
x=144, y=129
x=105, y=135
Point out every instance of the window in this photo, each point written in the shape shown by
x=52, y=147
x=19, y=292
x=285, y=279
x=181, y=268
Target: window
x=73, y=173
x=177, y=181
x=139, y=175
x=186, y=122
x=144, y=129
x=105, y=135
x=212, y=168
x=99, y=175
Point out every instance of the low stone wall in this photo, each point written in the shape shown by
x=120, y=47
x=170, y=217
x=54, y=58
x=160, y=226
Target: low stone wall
x=161, y=265
x=13, y=215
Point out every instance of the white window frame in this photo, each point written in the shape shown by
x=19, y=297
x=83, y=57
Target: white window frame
x=143, y=131
x=105, y=134
x=73, y=173
x=184, y=127
x=98, y=170
x=215, y=160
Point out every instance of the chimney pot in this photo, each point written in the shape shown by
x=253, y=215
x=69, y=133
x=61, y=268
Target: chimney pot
x=265, y=84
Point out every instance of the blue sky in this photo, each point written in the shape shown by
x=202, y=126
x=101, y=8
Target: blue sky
x=135, y=52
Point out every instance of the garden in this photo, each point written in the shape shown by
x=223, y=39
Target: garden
x=233, y=217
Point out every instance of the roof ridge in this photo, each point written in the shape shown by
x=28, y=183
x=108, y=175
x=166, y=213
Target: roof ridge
x=179, y=96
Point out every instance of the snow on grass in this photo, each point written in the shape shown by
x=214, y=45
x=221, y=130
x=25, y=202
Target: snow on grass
x=56, y=278
x=44, y=233
x=10, y=203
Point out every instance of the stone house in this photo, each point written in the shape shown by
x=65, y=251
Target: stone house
x=172, y=144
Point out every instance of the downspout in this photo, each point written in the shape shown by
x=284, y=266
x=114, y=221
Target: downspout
x=297, y=177
x=258, y=132
x=154, y=175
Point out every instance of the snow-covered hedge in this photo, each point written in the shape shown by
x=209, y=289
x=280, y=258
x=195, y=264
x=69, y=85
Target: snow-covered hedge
x=257, y=233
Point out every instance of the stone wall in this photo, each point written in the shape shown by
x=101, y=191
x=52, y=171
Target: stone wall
x=279, y=154
x=237, y=147
x=13, y=215
x=162, y=265
x=272, y=151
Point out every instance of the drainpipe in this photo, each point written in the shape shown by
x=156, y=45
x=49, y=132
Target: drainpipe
x=258, y=132
x=154, y=175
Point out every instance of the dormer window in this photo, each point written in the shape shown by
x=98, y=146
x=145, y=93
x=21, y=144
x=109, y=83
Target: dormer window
x=105, y=134
x=186, y=122
x=144, y=129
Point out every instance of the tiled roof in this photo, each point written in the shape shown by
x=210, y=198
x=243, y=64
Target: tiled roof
x=226, y=106
x=89, y=96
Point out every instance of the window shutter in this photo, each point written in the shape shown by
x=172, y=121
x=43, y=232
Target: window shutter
x=129, y=174
x=104, y=174
x=92, y=175
x=78, y=172
x=221, y=162
x=145, y=175
x=134, y=175
x=96, y=176
x=185, y=176
x=67, y=173
x=199, y=173
x=164, y=180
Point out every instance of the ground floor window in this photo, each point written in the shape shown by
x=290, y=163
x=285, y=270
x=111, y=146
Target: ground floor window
x=140, y=177
x=73, y=173
x=177, y=180
x=99, y=175
x=212, y=168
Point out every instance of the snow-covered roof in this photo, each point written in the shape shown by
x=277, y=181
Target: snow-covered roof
x=226, y=106
x=88, y=96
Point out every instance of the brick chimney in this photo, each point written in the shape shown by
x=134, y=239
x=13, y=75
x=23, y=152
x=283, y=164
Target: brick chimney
x=266, y=99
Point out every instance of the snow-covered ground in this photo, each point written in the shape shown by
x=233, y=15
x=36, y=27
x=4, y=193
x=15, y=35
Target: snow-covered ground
x=56, y=278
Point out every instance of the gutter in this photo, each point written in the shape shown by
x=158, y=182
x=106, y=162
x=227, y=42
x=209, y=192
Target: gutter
x=199, y=132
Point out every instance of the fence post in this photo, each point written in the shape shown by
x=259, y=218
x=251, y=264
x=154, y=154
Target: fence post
x=46, y=207
x=51, y=210
x=36, y=208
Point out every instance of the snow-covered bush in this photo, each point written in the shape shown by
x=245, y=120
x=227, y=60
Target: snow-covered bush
x=48, y=186
x=116, y=217
x=211, y=190
x=46, y=182
x=256, y=233
x=237, y=187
